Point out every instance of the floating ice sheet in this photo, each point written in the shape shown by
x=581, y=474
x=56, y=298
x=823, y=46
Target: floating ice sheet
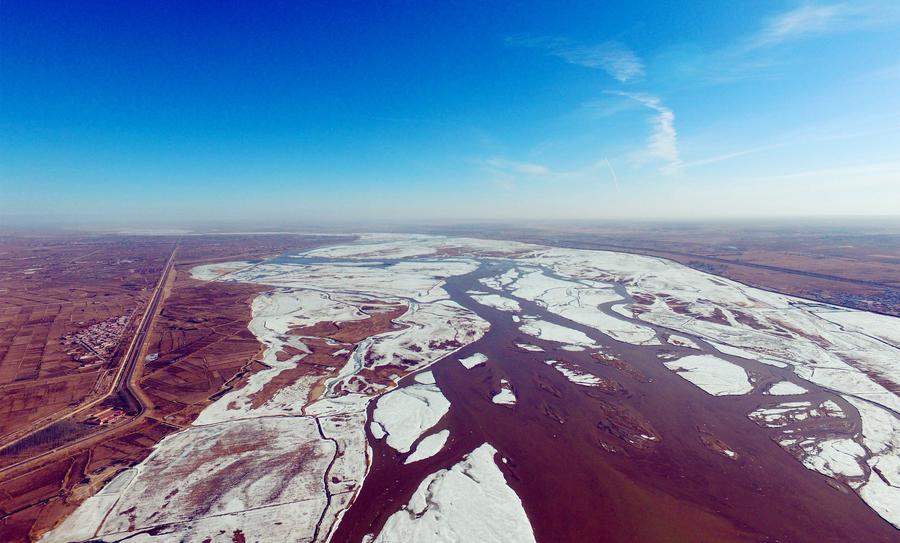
x=714, y=375
x=469, y=502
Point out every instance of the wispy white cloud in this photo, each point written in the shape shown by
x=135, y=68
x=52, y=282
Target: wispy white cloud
x=814, y=134
x=761, y=51
x=799, y=22
x=502, y=165
x=507, y=172
x=663, y=142
x=728, y=156
x=852, y=175
x=809, y=19
x=613, y=172
x=612, y=57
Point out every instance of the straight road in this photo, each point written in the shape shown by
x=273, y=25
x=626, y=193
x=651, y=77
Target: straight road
x=124, y=384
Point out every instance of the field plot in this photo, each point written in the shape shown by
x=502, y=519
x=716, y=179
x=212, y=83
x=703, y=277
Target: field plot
x=52, y=290
x=198, y=346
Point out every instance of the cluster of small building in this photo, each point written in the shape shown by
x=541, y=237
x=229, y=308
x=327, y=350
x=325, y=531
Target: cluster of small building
x=97, y=342
x=106, y=417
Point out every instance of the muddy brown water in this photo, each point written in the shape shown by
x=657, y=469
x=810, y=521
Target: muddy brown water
x=572, y=465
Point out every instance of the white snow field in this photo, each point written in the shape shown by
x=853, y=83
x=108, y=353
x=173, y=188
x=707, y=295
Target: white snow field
x=469, y=502
x=578, y=301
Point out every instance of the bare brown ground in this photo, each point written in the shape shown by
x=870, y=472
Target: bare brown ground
x=319, y=363
x=380, y=317
x=200, y=337
x=51, y=287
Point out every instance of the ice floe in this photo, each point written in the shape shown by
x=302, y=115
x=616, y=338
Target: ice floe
x=468, y=502
x=549, y=331
x=785, y=388
x=473, y=360
x=406, y=413
x=580, y=302
x=424, y=378
x=834, y=457
x=506, y=396
x=429, y=446
x=574, y=374
x=496, y=301
x=500, y=281
x=681, y=341
x=881, y=435
x=781, y=415
x=714, y=375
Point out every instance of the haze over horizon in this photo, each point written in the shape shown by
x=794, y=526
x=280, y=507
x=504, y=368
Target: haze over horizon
x=119, y=113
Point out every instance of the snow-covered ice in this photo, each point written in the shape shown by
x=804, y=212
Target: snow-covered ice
x=714, y=375
x=406, y=413
x=681, y=341
x=468, y=502
x=785, y=388
x=549, y=331
x=574, y=374
x=429, y=446
x=496, y=301
x=471, y=361
x=506, y=396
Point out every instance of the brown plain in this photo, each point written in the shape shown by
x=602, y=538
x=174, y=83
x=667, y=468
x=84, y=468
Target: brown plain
x=199, y=336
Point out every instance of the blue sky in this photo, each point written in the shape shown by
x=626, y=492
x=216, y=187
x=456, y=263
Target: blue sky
x=118, y=112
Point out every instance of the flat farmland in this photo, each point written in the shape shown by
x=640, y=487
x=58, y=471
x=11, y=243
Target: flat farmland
x=197, y=347
x=200, y=344
x=51, y=288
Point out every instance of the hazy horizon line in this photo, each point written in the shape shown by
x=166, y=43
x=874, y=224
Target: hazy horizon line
x=258, y=227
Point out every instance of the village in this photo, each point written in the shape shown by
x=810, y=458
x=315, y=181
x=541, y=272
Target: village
x=97, y=342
